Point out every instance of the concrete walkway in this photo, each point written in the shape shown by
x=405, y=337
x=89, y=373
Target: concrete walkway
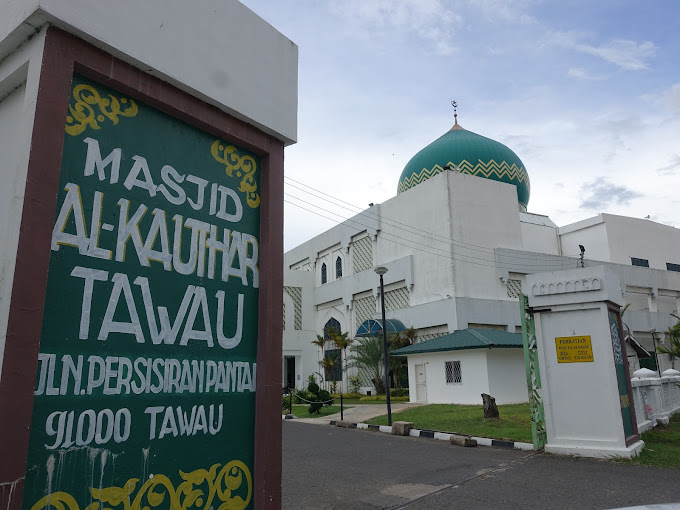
x=359, y=413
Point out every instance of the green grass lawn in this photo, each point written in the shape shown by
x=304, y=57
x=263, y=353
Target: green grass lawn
x=514, y=423
x=662, y=446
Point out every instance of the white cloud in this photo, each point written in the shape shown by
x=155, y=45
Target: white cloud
x=581, y=74
x=430, y=20
x=626, y=54
x=672, y=167
x=668, y=99
x=601, y=193
x=671, y=98
x=504, y=11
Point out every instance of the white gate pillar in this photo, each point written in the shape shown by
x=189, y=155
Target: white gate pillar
x=587, y=395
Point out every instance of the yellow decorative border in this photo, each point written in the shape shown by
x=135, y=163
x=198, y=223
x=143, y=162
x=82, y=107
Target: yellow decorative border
x=243, y=166
x=500, y=170
x=88, y=101
x=221, y=484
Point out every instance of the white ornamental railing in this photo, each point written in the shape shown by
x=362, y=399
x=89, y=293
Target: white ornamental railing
x=656, y=398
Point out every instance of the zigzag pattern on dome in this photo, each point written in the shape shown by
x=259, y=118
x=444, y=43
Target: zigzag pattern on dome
x=502, y=170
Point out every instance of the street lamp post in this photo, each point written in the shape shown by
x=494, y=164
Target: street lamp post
x=381, y=270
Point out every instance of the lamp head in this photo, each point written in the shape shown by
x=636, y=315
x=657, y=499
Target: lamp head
x=381, y=270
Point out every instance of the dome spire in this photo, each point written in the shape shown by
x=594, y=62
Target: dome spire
x=454, y=103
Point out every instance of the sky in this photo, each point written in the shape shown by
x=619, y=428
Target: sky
x=586, y=93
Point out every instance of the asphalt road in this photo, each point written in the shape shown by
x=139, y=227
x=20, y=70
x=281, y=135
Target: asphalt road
x=326, y=467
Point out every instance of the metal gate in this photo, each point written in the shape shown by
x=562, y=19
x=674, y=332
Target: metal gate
x=421, y=386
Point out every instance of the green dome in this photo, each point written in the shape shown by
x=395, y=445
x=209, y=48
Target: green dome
x=473, y=154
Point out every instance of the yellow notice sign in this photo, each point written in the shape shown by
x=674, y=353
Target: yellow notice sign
x=574, y=349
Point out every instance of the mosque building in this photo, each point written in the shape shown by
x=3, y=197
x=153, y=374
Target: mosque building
x=458, y=241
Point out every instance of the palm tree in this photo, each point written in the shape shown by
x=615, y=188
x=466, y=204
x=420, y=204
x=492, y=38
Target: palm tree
x=673, y=336
x=343, y=342
x=327, y=363
x=320, y=342
x=367, y=355
x=398, y=341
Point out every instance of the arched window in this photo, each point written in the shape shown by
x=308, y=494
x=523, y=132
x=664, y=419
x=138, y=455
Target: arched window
x=324, y=276
x=334, y=372
x=332, y=324
x=338, y=267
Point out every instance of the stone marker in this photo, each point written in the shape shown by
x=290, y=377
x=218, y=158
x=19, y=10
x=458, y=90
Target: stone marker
x=346, y=424
x=401, y=428
x=490, y=409
x=462, y=440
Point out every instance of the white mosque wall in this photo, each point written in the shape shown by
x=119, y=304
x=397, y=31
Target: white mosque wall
x=488, y=313
x=435, y=313
x=484, y=216
x=241, y=64
x=540, y=238
x=473, y=280
x=591, y=233
x=19, y=77
x=613, y=238
x=507, y=375
x=640, y=238
x=298, y=342
x=424, y=210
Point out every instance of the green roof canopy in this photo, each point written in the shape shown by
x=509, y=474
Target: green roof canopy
x=373, y=327
x=471, y=338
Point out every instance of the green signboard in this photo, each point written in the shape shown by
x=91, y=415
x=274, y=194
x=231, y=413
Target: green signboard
x=145, y=390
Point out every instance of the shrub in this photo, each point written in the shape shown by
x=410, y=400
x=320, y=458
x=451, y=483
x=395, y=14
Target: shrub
x=318, y=397
x=383, y=398
x=354, y=384
x=301, y=394
x=354, y=396
x=399, y=392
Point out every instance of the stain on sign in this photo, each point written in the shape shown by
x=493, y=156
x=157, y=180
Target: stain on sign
x=574, y=349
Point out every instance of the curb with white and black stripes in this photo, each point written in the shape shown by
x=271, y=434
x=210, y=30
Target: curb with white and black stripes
x=443, y=436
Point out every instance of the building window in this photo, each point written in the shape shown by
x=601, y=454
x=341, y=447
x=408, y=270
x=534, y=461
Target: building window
x=324, y=276
x=453, y=374
x=672, y=267
x=639, y=262
x=338, y=267
x=332, y=326
x=332, y=365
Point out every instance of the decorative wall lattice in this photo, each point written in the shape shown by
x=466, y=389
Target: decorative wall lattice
x=296, y=295
x=422, y=338
x=395, y=299
x=514, y=288
x=362, y=257
x=364, y=308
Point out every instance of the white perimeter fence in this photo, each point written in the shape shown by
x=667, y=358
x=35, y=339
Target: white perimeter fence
x=656, y=398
